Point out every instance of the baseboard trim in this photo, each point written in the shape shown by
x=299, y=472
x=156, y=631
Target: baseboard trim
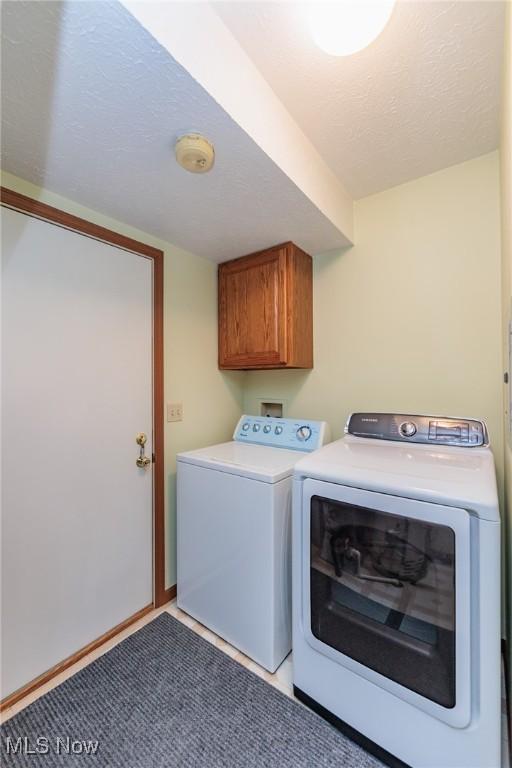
x=42, y=679
x=370, y=746
x=170, y=593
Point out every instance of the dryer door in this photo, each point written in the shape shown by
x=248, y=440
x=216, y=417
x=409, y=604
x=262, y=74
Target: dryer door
x=386, y=585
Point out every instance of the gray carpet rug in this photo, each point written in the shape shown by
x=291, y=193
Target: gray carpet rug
x=166, y=697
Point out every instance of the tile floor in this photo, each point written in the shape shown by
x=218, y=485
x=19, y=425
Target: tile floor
x=281, y=679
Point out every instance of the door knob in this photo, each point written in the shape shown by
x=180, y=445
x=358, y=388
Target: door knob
x=143, y=461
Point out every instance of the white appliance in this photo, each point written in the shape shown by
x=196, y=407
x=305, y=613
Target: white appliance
x=396, y=589
x=234, y=531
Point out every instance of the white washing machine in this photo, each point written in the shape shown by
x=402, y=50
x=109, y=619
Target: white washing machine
x=234, y=533
x=396, y=589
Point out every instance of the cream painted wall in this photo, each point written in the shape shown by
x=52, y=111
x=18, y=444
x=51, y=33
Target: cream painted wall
x=212, y=400
x=409, y=318
x=506, y=245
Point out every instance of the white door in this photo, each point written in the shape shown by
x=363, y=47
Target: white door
x=77, y=522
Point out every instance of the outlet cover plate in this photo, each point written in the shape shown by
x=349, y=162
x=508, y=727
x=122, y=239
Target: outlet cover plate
x=174, y=411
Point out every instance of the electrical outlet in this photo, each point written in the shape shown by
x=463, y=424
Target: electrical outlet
x=174, y=411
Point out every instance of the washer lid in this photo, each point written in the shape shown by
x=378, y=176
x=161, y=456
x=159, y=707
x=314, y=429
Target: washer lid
x=461, y=477
x=257, y=462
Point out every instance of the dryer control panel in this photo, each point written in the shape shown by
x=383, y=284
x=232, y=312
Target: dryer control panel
x=293, y=434
x=407, y=428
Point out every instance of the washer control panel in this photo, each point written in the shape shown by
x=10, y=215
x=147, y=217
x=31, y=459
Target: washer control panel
x=294, y=434
x=430, y=430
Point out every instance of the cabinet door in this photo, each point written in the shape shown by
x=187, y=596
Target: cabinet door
x=252, y=310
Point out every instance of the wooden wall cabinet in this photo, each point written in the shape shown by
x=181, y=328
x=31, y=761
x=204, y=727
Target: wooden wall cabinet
x=266, y=310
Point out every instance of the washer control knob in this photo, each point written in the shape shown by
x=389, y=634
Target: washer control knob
x=408, y=429
x=246, y=426
x=278, y=429
x=255, y=427
x=303, y=433
x=267, y=428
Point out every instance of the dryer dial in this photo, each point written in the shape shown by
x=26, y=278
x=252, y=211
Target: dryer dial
x=408, y=429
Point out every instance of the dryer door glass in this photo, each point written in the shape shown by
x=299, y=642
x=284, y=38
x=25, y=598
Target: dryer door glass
x=383, y=593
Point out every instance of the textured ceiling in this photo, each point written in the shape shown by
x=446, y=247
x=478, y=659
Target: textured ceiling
x=424, y=95
x=91, y=107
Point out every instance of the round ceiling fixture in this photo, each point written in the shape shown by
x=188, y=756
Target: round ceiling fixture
x=194, y=153
x=346, y=26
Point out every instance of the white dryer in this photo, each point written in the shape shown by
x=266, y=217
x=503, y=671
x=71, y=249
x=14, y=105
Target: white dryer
x=396, y=589
x=234, y=533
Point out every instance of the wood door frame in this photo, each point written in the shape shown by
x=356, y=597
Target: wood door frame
x=38, y=210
